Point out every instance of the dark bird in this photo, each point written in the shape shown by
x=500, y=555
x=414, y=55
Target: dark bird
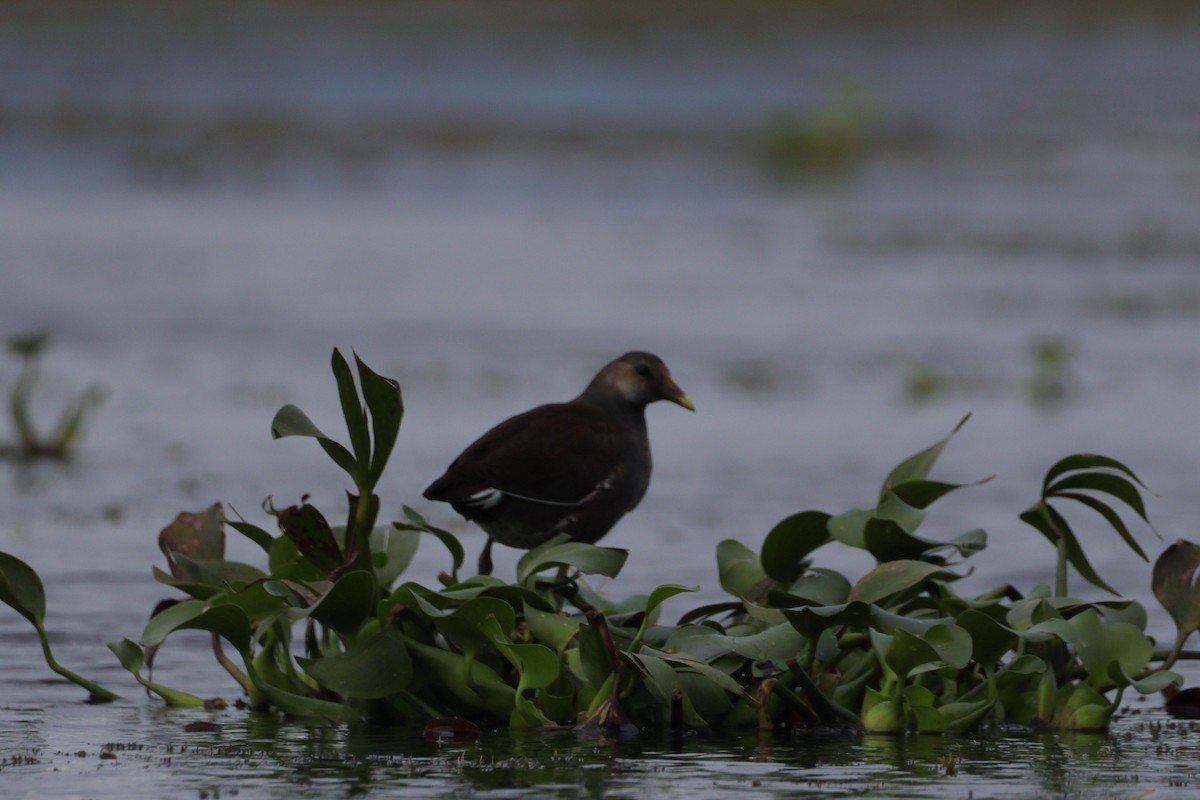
x=573, y=468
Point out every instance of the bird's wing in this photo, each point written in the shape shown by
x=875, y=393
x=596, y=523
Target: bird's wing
x=559, y=453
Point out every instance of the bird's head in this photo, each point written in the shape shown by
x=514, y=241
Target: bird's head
x=639, y=379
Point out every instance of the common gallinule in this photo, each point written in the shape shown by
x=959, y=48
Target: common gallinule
x=573, y=468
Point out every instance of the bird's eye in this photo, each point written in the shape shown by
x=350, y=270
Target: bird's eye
x=643, y=370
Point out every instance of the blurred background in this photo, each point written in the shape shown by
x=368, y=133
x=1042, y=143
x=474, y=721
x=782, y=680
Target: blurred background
x=843, y=227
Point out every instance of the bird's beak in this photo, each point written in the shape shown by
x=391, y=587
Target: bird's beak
x=676, y=395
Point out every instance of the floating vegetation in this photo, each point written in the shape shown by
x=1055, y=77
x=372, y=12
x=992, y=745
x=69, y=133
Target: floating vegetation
x=329, y=627
x=828, y=138
x=60, y=444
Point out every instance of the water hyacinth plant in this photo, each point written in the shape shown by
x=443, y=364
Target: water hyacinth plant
x=330, y=626
x=61, y=442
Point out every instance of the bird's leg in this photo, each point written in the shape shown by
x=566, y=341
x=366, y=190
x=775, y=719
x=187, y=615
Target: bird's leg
x=485, y=558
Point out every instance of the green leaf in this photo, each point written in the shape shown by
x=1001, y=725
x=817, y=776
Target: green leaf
x=922, y=493
x=227, y=621
x=811, y=620
x=895, y=577
x=461, y=626
x=918, y=466
x=21, y=588
x=377, y=667
x=1050, y=523
x=990, y=640
x=349, y=603
x=952, y=644
x=1101, y=643
x=824, y=587
x=1082, y=461
x=392, y=551
x=849, y=527
x=307, y=528
x=203, y=579
x=291, y=421
x=892, y=508
x=132, y=659
x=1105, y=483
x=788, y=545
x=740, y=569
x=589, y=559
x=1176, y=586
x=555, y=630
x=777, y=643
x=416, y=522
x=354, y=414
x=383, y=399
x=1110, y=516
x=254, y=533
x=663, y=682
x=472, y=682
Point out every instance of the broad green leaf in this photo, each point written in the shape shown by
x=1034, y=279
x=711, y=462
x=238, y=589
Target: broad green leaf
x=589, y=559
x=663, y=682
x=416, y=522
x=903, y=652
x=1176, y=585
x=461, y=626
x=923, y=493
x=349, y=603
x=467, y=679
x=888, y=541
x=810, y=621
x=227, y=621
x=555, y=630
x=657, y=597
x=777, y=644
x=392, y=550
x=376, y=667
x=791, y=541
x=538, y=665
x=829, y=711
x=740, y=569
x=383, y=399
x=254, y=533
x=203, y=579
x=952, y=644
x=990, y=640
x=21, y=588
x=917, y=466
x=354, y=414
x=963, y=717
x=896, y=576
x=892, y=508
x=1101, y=643
x=291, y=421
x=1153, y=683
x=848, y=527
x=823, y=587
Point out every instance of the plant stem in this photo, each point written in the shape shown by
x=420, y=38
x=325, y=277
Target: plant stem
x=98, y=692
x=1060, y=570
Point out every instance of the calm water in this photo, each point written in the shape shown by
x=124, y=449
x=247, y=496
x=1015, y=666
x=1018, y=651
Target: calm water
x=200, y=206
